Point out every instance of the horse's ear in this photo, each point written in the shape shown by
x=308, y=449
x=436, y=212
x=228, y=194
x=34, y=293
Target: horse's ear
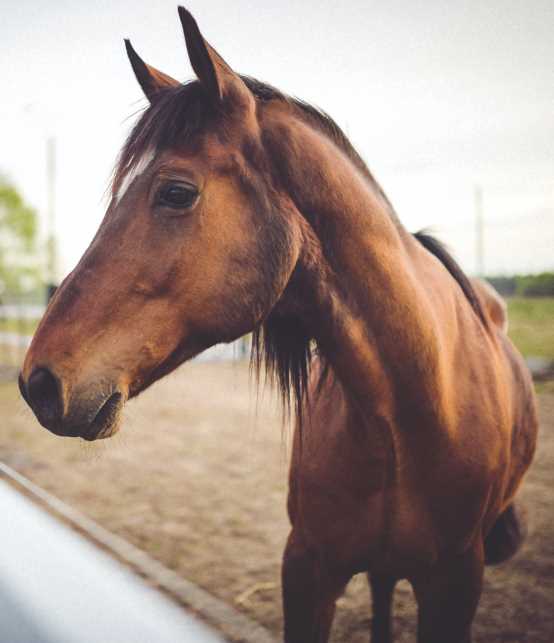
x=219, y=80
x=150, y=79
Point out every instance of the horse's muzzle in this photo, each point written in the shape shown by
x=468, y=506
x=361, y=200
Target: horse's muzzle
x=91, y=414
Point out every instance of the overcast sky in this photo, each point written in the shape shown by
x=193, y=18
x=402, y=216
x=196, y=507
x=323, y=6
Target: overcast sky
x=438, y=96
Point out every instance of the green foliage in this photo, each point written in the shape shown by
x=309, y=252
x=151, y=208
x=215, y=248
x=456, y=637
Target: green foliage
x=541, y=285
x=18, y=240
x=531, y=325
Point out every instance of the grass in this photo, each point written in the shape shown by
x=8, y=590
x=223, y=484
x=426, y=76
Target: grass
x=531, y=325
x=21, y=326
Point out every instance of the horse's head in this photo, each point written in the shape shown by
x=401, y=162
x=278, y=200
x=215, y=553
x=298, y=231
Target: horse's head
x=196, y=247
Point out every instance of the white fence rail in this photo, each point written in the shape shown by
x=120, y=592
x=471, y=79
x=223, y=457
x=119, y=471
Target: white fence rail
x=59, y=588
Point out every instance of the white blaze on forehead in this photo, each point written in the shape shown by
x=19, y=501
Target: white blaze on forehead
x=137, y=169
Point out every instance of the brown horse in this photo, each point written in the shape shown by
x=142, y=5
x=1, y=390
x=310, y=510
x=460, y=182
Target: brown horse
x=236, y=208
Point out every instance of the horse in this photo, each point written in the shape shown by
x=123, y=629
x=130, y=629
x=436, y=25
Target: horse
x=237, y=209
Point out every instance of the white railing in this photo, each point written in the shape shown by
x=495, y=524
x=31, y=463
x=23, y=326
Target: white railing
x=60, y=588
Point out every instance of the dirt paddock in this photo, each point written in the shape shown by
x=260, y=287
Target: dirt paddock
x=197, y=478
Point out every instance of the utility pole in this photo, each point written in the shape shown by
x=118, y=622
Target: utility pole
x=479, y=233
x=51, y=215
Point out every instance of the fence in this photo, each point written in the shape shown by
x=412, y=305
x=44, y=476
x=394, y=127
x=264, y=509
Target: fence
x=17, y=325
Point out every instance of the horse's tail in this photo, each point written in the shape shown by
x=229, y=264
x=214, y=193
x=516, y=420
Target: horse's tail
x=506, y=536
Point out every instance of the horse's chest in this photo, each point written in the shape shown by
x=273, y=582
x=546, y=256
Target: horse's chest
x=341, y=501
x=365, y=513
x=363, y=520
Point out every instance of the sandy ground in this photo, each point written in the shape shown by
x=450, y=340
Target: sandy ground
x=197, y=477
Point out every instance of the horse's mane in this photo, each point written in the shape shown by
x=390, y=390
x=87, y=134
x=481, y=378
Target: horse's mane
x=283, y=346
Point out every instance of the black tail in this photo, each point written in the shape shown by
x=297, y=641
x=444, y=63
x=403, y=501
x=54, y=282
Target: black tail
x=506, y=536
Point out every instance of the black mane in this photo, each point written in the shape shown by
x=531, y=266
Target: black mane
x=435, y=247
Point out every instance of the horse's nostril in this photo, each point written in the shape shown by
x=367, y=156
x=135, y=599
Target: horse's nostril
x=44, y=397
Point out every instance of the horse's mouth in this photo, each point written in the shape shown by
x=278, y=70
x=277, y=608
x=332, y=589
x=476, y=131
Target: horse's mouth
x=105, y=414
x=107, y=420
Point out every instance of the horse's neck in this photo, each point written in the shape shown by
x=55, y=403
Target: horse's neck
x=367, y=310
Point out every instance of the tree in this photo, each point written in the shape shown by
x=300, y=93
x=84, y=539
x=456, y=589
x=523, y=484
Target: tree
x=19, y=270
x=541, y=285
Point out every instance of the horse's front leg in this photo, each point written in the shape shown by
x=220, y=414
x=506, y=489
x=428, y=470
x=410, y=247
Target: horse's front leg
x=310, y=590
x=447, y=597
x=382, y=589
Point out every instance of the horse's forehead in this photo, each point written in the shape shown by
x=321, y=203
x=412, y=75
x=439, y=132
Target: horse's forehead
x=209, y=155
x=138, y=168
x=209, y=152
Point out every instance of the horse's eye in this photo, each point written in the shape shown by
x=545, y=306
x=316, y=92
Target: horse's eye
x=177, y=195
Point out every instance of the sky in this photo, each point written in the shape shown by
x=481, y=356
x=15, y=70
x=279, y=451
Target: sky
x=438, y=97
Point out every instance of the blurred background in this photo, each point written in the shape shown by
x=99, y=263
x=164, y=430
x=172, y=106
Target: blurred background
x=452, y=107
